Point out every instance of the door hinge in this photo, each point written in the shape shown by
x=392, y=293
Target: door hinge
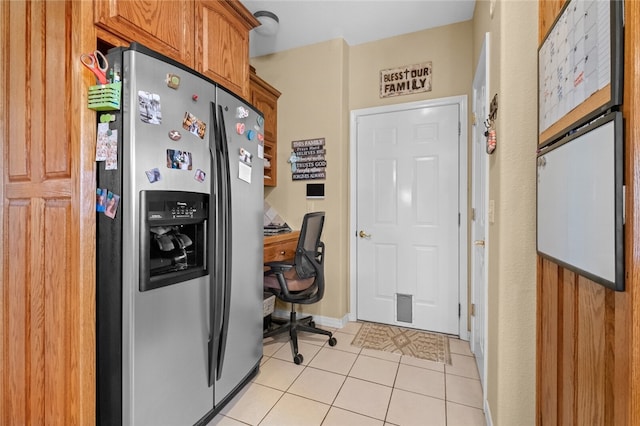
x=459, y=310
x=473, y=309
x=473, y=213
x=458, y=219
x=459, y=129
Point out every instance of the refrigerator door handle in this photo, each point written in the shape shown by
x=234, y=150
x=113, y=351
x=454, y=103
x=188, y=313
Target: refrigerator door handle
x=228, y=237
x=216, y=238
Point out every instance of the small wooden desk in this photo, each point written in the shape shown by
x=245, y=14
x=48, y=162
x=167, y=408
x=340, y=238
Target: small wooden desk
x=280, y=247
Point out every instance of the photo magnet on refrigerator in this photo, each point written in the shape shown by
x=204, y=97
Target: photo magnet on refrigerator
x=200, y=176
x=101, y=199
x=149, y=107
x=113, y=201
x=153, y=175
x=194, y=125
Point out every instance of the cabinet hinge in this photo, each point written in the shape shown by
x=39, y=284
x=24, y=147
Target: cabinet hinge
x=459, y=310
x=473, y=309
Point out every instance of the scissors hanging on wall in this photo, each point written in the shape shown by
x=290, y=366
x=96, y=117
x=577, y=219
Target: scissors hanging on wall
x=97, y=63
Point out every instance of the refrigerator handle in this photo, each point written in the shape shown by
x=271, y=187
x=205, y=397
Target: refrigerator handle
x=228, y=237
x=216, y=254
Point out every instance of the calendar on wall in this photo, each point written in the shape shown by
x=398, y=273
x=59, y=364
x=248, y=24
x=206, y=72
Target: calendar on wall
x=580, y=66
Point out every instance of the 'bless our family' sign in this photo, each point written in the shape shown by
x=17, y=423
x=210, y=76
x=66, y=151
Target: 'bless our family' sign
x=405, y=80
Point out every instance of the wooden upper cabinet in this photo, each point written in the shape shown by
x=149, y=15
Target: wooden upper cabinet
x=222, y=43
x=264, y=97
x=164, y=26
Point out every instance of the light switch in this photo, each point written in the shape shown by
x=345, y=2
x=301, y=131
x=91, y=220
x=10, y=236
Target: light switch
x=491, y=212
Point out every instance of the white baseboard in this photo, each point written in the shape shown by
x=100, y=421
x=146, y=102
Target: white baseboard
x=318, y=319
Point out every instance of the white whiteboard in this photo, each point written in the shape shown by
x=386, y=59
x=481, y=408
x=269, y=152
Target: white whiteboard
x=580, y=205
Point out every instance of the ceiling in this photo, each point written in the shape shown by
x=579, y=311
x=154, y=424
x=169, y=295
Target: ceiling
x=304, y=22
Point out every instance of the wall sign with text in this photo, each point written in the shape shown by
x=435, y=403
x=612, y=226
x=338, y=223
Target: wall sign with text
x=405, y=80
x=308, y=159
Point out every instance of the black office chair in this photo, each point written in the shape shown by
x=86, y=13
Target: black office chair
x=300, y=282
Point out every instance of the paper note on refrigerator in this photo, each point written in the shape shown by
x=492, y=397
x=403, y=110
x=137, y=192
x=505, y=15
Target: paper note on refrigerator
x=244, y=172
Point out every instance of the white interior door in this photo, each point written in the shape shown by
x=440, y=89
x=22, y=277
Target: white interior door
x=407, y=202
x=479, y=192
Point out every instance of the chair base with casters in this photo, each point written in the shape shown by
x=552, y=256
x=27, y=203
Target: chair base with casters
x=293, y=325
x=300, y=282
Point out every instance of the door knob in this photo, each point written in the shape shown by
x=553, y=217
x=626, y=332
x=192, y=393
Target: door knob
x=479, y=243
x=364, y=235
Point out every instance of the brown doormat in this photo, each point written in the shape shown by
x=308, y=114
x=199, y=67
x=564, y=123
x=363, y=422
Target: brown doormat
x=404, y=341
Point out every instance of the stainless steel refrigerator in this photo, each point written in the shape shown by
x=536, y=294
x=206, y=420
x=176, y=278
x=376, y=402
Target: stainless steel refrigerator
x=179, y=205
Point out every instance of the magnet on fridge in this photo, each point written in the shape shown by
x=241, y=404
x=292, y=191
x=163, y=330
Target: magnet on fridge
x=107, y=118
x=102, y=141
x=113, y=201
x=260, y=137
x=260, y=121
x=251, y=135
x=194, y=97
x=174, y=135
x=173, y=81
x=153, y=175
x=200, y=176
x=240, y=128
x=242, y=112
x=149, y=107
x=101, y=199
x=194, y=125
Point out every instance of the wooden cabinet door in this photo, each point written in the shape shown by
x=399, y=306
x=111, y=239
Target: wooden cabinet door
x=164, y=26
x=222, y=43
x=47, y=215
x=265, y=99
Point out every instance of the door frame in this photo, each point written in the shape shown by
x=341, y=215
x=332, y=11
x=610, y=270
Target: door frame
x=463, y=191
x=481, y=68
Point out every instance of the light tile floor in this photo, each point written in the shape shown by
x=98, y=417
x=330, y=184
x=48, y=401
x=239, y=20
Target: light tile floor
x=345, y=385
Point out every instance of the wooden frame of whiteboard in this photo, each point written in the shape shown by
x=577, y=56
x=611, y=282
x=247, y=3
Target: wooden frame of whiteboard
x=602, y=100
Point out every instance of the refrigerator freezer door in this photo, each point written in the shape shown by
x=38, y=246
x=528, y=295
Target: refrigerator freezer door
x=165, y=330
x=242, y=127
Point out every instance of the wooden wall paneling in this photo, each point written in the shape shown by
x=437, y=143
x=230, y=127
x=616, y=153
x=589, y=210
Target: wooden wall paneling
x=48, y=215
x=549, y=342
x=82, y=402
x=628, y=304
x=590, y=360
x=567, y=378
x=4, y=59
x=610, y=390
x=539, y=346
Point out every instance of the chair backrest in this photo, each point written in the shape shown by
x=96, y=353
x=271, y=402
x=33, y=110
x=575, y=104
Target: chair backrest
x=309, y=244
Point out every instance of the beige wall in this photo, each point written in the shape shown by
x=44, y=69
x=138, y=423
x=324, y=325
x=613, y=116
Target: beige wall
x=449, y=48
x=313, y=83
x=320, y=85
x=511, y=306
